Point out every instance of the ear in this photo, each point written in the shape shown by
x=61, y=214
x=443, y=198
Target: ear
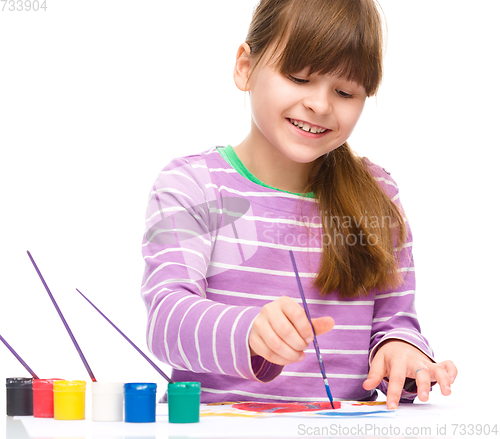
x=242, y=67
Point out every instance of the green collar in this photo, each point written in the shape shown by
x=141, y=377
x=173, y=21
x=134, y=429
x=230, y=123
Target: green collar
x=232, y=158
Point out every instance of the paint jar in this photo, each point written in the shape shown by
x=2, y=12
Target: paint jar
x=140, y=402
x=69, y=400
x=43, y=398
x=184, y=402
x=19, y=396
x=107, y=401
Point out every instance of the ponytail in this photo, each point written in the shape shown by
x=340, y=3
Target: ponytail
x=361, y=227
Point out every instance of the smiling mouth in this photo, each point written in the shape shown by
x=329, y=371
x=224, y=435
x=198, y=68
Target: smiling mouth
x=308, y=128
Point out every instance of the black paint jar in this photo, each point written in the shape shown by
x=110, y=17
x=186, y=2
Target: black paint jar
x=19, y=396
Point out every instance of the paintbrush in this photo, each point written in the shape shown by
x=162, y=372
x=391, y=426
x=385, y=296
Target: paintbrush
x=316, y=346
x=73, y=339
x=163, y=374
x=10, y=348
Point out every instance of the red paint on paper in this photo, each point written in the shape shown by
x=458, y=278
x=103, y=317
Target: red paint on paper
x=285, y=407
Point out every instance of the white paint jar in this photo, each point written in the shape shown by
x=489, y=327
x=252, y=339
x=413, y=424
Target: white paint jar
x=107, y=402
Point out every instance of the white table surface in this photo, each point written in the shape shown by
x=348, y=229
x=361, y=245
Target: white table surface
x=436, y=419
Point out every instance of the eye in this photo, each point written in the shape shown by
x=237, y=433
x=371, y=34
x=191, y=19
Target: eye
x=344, y=94
x=297, y=80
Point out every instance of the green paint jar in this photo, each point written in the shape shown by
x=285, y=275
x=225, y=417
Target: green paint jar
x=184, y=402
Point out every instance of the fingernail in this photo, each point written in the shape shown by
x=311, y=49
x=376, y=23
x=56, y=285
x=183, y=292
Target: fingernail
x=425, y=395
x=392, y=406
x=452, y=379
x=309, y=339
x=447, y=388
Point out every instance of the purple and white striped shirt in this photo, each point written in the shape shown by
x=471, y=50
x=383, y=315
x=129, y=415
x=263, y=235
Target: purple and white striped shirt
x=216, y=250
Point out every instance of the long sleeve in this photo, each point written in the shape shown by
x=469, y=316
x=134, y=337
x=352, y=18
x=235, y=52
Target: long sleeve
x=394, y=314
x=185, y=329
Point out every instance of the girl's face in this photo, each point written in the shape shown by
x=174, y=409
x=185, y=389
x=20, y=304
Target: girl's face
x=301, y=116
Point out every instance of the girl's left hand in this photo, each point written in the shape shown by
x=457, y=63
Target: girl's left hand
x=399, y=360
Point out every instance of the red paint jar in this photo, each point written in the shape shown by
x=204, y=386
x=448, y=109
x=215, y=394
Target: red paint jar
x=43, y=398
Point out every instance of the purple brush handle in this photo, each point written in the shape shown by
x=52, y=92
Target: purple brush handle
x=316, y=346
x=315, y=342
x=163, y=374
x=73, y=339
x=10, y=348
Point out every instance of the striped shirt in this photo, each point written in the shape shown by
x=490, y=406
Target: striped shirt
x=216, y=249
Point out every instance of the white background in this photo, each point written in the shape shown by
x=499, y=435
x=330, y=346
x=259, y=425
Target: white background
x=96, y=97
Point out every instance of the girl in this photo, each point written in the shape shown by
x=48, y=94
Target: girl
x=220, y=290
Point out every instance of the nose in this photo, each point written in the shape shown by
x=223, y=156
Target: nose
x=319, y=100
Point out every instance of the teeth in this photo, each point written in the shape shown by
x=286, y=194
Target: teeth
x=306, y=127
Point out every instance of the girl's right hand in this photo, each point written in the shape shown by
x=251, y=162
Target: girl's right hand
x=281, y=331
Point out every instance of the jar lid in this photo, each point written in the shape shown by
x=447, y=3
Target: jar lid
x=18, y=382
x=140, y=387
x=107, y=387
x=69, y=386
x=184, y=388
x=45, y=384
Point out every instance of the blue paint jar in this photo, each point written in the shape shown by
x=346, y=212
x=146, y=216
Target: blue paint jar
x=140, y=402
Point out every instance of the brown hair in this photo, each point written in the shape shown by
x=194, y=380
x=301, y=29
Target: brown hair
x=343, y=37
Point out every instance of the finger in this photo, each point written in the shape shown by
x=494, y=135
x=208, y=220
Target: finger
x=423, y=382
x=298, y=318
x=261, y=348
x=259, y=338
x=397, y=378
x=323, y=324
x=451, y=369
x=439, y=373
x=286, y=329
x=277, y=345
x=376, y=373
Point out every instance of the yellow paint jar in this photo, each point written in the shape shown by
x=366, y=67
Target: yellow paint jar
x=69, y=400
